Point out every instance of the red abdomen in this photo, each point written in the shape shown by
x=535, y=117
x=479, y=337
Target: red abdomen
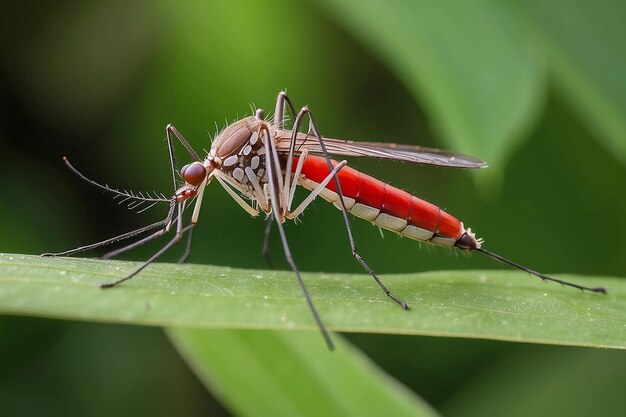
x=383, y=204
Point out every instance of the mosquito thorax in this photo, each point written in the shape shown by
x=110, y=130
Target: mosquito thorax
x=238, y=151
x=234, y=137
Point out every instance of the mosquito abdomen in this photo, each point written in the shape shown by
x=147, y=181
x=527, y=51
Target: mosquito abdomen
x=385, y=205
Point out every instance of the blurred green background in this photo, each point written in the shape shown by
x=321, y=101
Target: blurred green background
x=538, y=89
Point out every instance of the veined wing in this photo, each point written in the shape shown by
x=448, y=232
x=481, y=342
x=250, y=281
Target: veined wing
x=408, y=153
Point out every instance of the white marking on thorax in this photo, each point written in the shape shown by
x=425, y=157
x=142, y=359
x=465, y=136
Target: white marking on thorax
x=231, y=160
x=238, y=174
x=254, y=164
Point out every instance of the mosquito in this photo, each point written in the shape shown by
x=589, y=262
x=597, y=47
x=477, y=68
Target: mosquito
x=260, y=163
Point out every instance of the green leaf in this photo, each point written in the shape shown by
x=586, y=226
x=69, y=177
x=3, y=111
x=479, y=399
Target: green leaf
x=291, y=374
x=470, y=63
x=499, y=305
x=551, y=382
x=584, y=42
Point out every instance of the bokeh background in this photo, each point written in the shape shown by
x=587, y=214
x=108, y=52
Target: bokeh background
x=537, y=88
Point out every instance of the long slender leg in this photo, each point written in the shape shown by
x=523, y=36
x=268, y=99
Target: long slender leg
x=313, y=129
x=270, y=152
x=266, y=241
x=134, y=245
x=279, y=113
x=187, y=252
x=259, y=114
x=170, y=129
x=314, y=193
x=222, y=179
x=296, y=177
x=119, y=251
x=163, y=223
x=259, y=194
x=279, y=121
x=180, y=230
x=147, y=239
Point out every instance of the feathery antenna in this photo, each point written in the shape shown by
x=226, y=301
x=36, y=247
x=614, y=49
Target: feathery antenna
x=136, y=200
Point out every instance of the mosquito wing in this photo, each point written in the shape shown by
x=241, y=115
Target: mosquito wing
x=408, y=153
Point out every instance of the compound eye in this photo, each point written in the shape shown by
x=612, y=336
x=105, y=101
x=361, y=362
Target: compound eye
x=193, y=173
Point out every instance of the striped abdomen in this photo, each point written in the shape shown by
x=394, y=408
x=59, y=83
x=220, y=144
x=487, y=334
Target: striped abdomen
x=387, y=206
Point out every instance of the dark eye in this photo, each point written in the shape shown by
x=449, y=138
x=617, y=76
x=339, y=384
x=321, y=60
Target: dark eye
x=193, y=173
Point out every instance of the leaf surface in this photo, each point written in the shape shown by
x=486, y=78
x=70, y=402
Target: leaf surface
x=501, y=305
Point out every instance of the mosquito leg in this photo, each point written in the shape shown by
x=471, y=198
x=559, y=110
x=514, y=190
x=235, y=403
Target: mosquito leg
x=279, y=123
x=223, y=180
x=138, y=243
x=187, y=252
x=296, y=178
x=169, y=130
x=314, y=193
x=266, y=241
x=133, y=245
x=163, y=223
x=161, y=251
x=313, y=129
x=279, y=113
x=272, y=171
x=180, y=230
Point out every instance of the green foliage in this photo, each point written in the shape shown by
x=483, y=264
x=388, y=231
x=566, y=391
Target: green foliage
x=536, y=88
x=484, y=304
x=480, y=98
x=591, y=77
x=557, y=373
x=480, y=66
x=292, y=374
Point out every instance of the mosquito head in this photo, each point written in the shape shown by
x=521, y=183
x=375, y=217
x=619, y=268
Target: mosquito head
x=186, y=192
x=194, y=173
